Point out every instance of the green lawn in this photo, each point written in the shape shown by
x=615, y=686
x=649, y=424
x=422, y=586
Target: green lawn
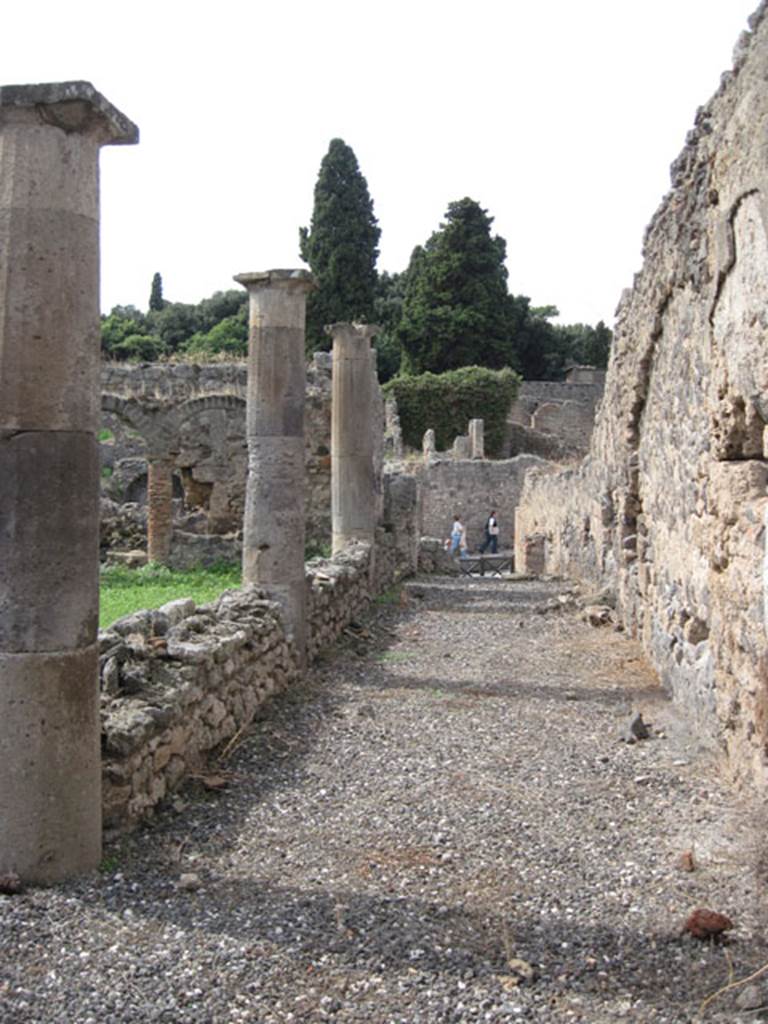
x=128, y=590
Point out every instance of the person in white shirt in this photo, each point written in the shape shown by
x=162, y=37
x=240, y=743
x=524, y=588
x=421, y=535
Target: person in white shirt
x=458, y=537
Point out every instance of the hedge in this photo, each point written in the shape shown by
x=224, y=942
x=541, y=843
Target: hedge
x=446, y=402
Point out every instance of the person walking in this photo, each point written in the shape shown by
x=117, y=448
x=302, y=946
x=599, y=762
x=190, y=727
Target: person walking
x=458, y=536
x=491, y=534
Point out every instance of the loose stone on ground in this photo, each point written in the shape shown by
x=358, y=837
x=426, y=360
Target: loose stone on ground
x=440, y=825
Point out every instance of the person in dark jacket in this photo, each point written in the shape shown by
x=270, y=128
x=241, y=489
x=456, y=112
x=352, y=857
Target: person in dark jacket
x=491, y=534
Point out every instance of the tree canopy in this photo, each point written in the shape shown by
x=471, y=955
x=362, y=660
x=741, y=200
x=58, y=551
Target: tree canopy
x=340, y=246
x=156, y=293
x=217, y=325
x=456, y=310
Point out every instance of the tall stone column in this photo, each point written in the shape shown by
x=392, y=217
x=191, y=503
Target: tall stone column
x=159, y=507
x=353, y=486
x=50, y=763
x=274, y=519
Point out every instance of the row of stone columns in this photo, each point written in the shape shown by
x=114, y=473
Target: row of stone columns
x=274, y=520
x=50, y=765
x=50, y=758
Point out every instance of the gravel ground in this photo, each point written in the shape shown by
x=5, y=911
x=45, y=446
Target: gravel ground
x=440, y=825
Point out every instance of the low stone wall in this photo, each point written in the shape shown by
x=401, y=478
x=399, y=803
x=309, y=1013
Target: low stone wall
x=175, y=684
x=434, y=558
x=179, y=682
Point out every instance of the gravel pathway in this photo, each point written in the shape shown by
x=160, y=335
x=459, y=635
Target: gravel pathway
x=440, y=825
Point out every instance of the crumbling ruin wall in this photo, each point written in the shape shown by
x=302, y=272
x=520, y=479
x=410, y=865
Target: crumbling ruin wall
x=669, y=508
x=182, y=681
x=555, y=419
x=196, y=412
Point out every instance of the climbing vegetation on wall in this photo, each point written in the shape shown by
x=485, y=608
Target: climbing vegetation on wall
x=445, y=402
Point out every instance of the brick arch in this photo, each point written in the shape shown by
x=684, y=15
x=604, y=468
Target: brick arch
x=149, y=423
x=181, y=414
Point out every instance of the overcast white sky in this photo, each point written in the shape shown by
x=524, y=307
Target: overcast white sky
x=560, y=117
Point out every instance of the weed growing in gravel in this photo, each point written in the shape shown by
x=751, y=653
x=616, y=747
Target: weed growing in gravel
x=123, y=590
x=394, y=656
x=109, y=863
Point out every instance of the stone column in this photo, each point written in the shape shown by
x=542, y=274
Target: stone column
x=274, y=519
x=50, y=759
x=159, y=507
x=477, y=439
x=353, y=486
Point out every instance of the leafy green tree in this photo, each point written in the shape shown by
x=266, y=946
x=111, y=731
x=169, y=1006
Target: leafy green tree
x=229, y=337
x=387, y=310
x=175, y=324
x=456, y=310
x=220, y=306
x=598, y=346
x=125, y=323
x=139, y=348
x=546, y=350
x=156, y=294
x=447, y=401
x=340, y=246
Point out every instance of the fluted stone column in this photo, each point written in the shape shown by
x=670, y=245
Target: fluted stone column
x=353, y=486
x=159, y=507
x=50, y=764
x=274, y=519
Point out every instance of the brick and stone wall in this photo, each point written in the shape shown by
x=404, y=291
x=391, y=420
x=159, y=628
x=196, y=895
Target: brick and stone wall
x=196, y=412
x=669, y=508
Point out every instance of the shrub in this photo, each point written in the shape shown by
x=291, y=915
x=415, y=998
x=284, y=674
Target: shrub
x=446, y=402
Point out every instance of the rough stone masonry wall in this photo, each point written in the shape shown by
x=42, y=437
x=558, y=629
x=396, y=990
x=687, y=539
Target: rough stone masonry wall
x=669, y=508
x=180, y=682
x=555, y=419
x=471, y=488
x=197, y=411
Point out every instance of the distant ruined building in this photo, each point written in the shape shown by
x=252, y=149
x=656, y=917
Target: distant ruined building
x=669, y=508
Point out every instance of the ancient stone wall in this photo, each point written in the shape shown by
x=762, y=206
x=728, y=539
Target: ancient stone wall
x=196, y=413
x=669, y=508
x=181, y=681
x=471, y=488
x=555, y=416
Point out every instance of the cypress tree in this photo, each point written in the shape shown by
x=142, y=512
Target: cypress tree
x=456, y=310
x=340, y=246
x=156, y=294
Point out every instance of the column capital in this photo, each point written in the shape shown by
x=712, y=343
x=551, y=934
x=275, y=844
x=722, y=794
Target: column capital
x=296, y=280
x=352, y=332
x=71, y=106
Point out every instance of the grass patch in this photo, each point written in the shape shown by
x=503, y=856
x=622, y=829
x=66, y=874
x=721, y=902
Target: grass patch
x=128, y=590
x=390, y=656
x=317, y=549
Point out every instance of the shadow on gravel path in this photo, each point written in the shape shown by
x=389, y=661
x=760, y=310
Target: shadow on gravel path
x=440, y=825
